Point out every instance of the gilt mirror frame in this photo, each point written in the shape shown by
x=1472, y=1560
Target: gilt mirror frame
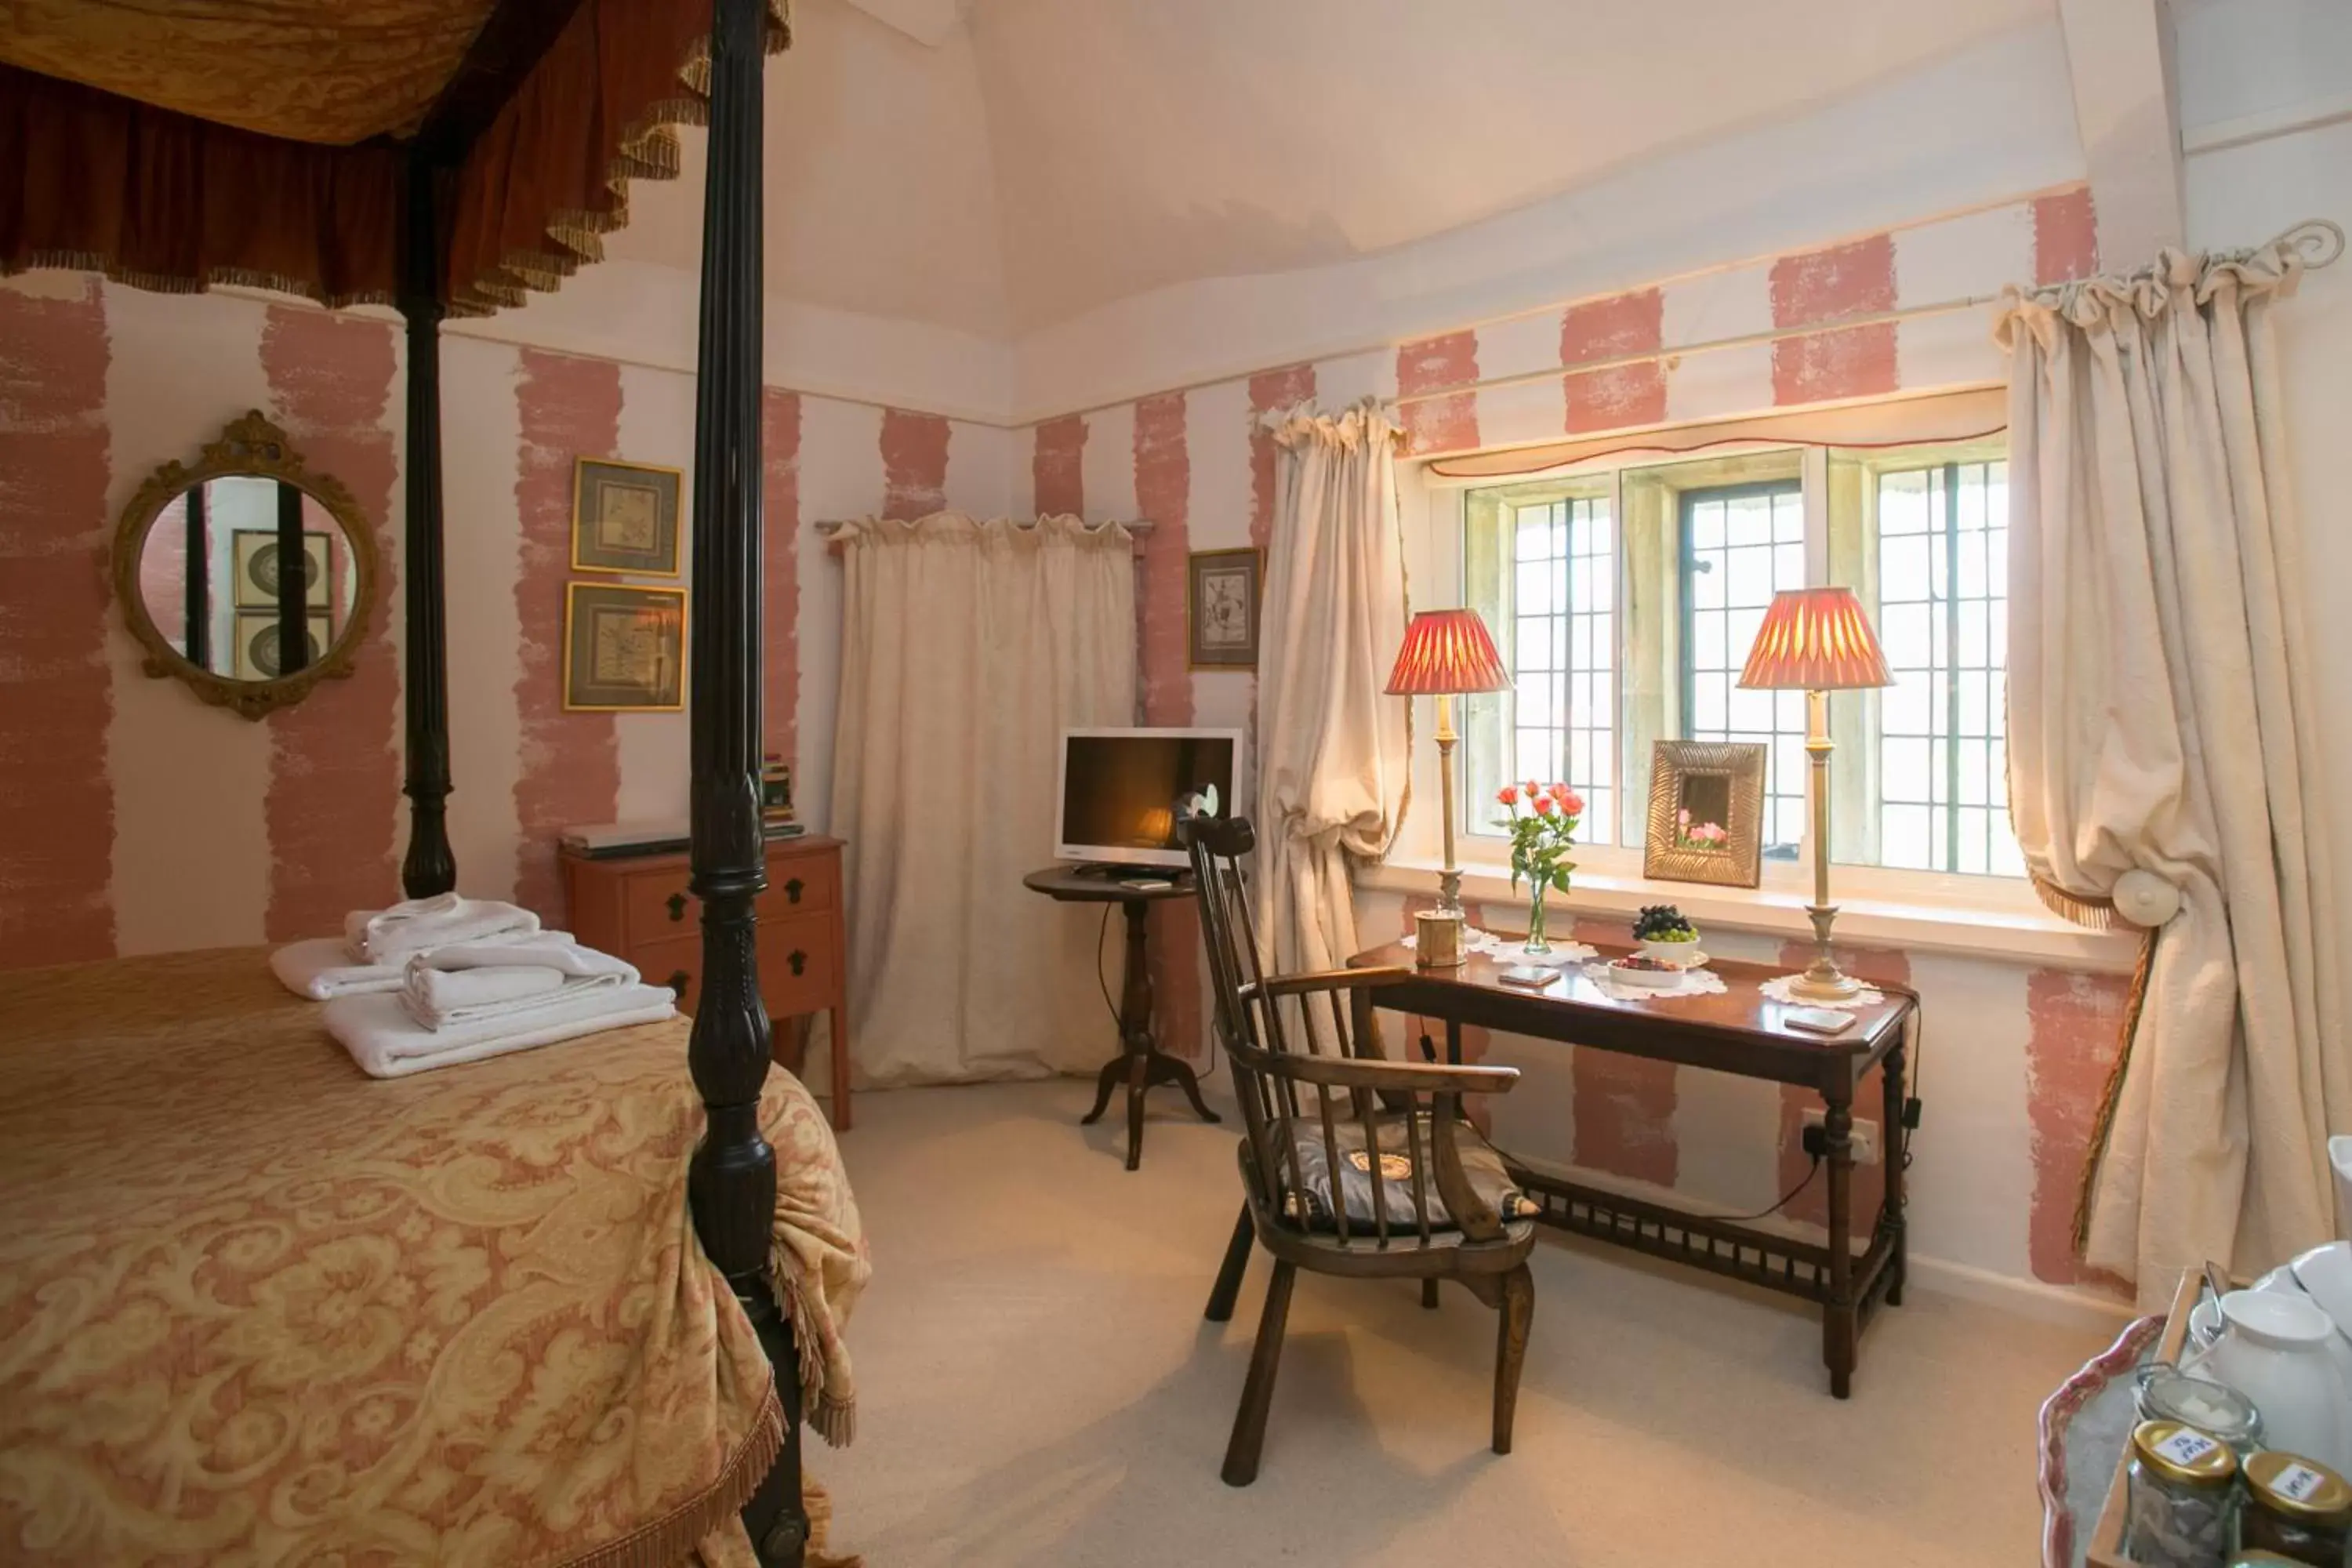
x=248, y=448
x=1740, y=862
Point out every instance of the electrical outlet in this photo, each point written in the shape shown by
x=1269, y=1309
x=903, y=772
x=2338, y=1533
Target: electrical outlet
x=1865, y=1135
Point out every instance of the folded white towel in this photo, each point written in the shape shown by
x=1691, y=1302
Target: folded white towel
x=321, y=970
x=469, y=982
x=440, y=997
x=553, y=950
x=387, y=1043
x=389, y=936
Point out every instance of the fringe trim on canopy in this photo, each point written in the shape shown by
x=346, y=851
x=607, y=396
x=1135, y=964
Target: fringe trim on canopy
x=218, y=276
x=672, y=1539
x=2104, y=1126
x=647, y=150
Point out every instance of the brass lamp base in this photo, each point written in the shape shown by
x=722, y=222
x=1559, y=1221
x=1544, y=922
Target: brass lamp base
x=1823, y=980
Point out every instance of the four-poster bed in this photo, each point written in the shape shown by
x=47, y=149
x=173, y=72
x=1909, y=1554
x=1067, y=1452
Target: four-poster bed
x=130, y=145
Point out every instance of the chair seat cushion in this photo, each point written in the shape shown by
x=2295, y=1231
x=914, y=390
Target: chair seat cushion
x=1480, y=1164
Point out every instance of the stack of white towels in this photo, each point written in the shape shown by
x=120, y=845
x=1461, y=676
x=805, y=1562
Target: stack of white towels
x=434, y=981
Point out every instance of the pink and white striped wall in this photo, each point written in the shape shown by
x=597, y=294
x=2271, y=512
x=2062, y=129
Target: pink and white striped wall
x=143, y=821
x=2017, y=1054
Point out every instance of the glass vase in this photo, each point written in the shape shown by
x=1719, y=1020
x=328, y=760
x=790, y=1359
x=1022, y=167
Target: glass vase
x=1538, y=942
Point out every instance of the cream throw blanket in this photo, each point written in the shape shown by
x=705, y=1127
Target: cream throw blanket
x=2161, y=719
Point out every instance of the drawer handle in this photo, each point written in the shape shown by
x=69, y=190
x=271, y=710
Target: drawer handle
x=792, y=891
x=679, y=981
x=798, y=961
x=677, y=902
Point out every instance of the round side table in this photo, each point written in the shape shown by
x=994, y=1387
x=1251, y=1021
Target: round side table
x=1140, y=1063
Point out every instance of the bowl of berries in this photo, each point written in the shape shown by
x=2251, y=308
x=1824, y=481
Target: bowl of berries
x=1649, y=974
x=1667, y=935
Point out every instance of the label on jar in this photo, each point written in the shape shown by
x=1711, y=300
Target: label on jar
x=2297, y=1482
x=2185, y=1448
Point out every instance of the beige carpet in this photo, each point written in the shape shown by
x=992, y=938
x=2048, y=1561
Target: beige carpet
x=1036, y=1385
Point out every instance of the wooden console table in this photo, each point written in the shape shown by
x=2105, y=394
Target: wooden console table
x=1738, y=1032
x=639, y=908
x=1140, y=1063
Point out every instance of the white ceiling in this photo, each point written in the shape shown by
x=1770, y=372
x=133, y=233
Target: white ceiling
x=1046, y=157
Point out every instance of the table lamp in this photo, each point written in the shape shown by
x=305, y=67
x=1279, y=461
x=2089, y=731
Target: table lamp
x=1817, y=641
x=1445, y=652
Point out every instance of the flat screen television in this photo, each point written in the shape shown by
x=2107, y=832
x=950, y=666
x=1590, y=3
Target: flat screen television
x=1119, y=791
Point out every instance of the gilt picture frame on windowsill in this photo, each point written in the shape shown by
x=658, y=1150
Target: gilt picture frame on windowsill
x=1707, y=811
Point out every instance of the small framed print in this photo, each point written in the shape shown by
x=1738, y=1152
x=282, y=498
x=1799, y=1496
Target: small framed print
x=256, y=644
x=1221, y=607
x=1707, y=812
x=624, y=517
x=624, y=649
x=254, y=557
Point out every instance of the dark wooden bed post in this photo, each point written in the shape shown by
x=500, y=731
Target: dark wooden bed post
x=430, y=868
x=733, y=1180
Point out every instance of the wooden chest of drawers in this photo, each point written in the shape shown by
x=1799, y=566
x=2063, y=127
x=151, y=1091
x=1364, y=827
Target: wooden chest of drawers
x=639, y=908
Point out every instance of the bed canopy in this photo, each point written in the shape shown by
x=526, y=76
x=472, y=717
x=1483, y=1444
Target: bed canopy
x=450, y=157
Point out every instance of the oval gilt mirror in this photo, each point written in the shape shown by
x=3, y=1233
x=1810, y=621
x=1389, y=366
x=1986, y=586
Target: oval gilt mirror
x=245, y=574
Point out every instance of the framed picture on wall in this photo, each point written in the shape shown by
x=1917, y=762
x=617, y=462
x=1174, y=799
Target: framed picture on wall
x=1221, y=594
x=256, y=643
x=255, y=562
x=624, y=517
x=624, y=649
x=1707, y=812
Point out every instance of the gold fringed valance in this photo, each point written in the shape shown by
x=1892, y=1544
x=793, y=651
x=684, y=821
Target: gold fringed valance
x=130, y=183
x=550, y=175
x=162, y=201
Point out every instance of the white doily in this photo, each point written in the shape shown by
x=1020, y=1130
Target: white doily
x=1782, y=988
x=1515, y=948
x=1694, y=982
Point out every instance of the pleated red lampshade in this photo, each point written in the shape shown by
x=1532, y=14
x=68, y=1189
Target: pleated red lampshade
x=1815, y=639
x=1446, y=651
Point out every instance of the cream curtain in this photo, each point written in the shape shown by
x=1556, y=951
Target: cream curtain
x=2162, y=723
x=966, y=647
x=1331, y=780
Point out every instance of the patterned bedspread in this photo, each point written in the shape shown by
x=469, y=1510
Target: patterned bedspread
x=256, y=1308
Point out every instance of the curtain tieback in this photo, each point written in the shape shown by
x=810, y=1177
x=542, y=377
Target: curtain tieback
x=2140, y=897
x=2146, y=899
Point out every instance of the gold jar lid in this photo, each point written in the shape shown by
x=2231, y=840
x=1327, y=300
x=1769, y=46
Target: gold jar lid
x=2183, y=1455
x=2298, y=1488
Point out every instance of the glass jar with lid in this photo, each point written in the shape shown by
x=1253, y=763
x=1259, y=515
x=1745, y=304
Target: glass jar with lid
x=2181, y=1497
x=2165, y=1392
x=2297, y=1508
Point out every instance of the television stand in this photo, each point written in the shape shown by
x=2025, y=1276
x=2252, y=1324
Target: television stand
x=1140, y=1063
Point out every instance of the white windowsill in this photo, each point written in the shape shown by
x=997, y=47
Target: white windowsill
x=1994, y=928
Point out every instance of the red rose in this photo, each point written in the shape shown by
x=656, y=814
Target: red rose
x=1571, y=803
x=1559, y=792
x=1508, y=795
x=1544, y=806
x=1533, y=789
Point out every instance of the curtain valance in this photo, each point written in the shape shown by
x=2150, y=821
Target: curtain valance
x=111, y=173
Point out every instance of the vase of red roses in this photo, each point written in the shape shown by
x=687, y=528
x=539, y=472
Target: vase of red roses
x=1542, y=825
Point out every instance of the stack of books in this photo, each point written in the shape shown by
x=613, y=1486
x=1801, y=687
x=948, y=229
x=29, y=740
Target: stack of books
x=777, y=818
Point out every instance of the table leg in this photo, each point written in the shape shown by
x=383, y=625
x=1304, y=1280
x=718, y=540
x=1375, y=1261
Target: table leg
x=1892, y=1138
x=1841, y=1320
